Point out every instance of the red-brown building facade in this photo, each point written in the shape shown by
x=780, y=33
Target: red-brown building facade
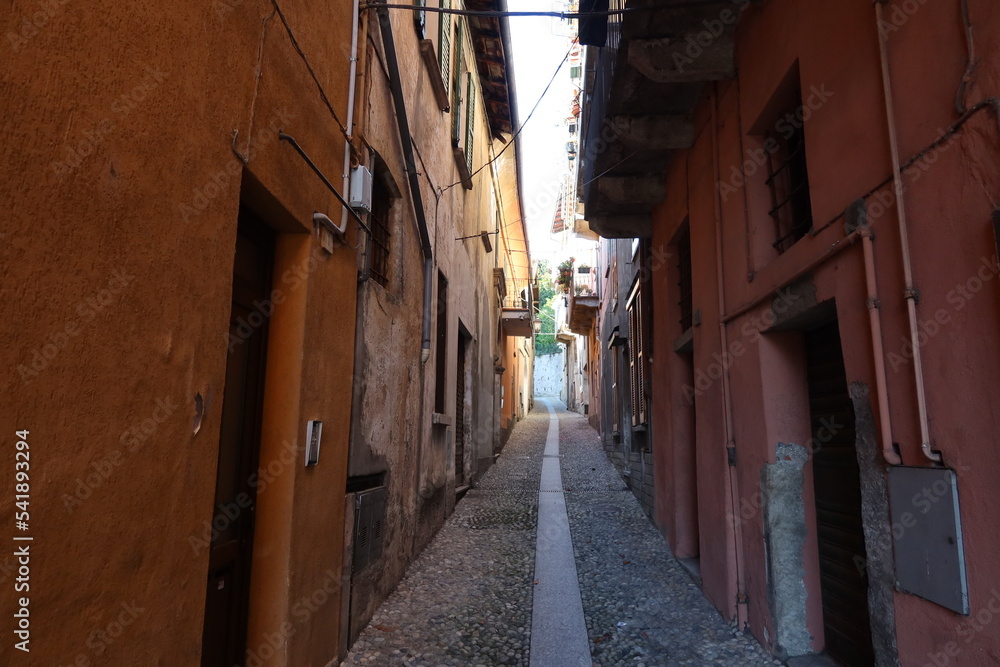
x=818, y=187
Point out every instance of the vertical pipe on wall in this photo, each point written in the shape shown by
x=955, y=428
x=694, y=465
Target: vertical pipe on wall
x=909, y=293
x=878, y=354
x=351, y=88
x=727, y=399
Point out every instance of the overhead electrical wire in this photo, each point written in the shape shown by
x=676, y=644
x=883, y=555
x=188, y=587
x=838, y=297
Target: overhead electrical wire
x=517, y=132
x=558, y=15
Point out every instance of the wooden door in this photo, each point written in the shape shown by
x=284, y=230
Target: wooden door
x=837, y=479
x=227, y=600
x=460, y=414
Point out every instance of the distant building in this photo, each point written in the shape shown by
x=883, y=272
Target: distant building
x=815, y=190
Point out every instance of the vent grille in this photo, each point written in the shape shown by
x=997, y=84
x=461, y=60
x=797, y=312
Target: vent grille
x=369, y=520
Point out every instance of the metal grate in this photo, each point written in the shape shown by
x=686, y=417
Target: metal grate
x=369, y=521
x=378, y=220
x=788, y=180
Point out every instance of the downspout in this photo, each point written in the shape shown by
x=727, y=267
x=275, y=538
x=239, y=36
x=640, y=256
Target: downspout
x=909, y=293
x=396, y=86
x=727, y=398
x=351, y=88
x=878, y=354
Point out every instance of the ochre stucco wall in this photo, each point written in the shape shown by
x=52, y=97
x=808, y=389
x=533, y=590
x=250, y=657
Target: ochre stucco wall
x=121, y=189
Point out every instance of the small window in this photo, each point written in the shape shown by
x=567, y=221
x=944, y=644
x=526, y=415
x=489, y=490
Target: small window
x=788, y=180
x=384, y=195
x=780, y=138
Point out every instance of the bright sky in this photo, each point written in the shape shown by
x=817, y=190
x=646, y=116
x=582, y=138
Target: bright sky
x=539, y=44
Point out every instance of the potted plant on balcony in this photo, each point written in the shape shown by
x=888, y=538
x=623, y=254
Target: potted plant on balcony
x=565, y=277
x=584, y=268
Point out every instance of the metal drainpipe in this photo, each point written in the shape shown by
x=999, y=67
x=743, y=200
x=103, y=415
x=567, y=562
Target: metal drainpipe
x=878, y=354
x=396, y=86
x=727, y=398
x=909, y=293
x=351, y=88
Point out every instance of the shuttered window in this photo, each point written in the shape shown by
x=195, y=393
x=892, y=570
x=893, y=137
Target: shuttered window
x=637, y=355
x=456, y=85
x=444, y=42
x=470, y=120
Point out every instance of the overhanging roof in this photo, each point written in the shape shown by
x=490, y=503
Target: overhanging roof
x=641, y=91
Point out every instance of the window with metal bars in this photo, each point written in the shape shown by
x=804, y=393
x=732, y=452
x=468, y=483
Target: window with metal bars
x=788, y=181
x=685, y=301
x=379, y=220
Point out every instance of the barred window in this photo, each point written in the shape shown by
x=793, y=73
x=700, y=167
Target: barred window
x=788, y=179
x=384, y=195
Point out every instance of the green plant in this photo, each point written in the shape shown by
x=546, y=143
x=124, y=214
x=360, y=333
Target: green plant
x=565, y=276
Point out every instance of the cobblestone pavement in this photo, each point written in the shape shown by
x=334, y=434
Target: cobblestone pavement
x=467, y=599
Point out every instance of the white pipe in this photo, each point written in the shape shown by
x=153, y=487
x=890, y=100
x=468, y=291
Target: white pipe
x=350, y=109
x=875, y=322
x=909, y=293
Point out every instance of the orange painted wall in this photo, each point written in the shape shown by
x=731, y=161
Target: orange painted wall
x=122, y=192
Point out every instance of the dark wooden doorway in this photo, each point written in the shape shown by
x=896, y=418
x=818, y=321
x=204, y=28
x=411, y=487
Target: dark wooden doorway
x=460, y=383
x=837, y=480
x=227, y=601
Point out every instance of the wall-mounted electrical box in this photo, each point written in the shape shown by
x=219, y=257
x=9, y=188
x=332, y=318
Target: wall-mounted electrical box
x=361, y=189
x=927, y=526
x=314, y=437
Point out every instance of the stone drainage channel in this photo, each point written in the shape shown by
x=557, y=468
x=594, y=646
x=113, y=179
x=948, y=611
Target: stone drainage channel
x=550, y=562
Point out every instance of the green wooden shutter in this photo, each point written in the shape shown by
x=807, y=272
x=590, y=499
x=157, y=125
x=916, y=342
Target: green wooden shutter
x=444, y=42
x=456, y=84
x=470, y=121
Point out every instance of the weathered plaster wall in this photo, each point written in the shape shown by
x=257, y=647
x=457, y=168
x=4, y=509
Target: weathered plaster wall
x=393, y=431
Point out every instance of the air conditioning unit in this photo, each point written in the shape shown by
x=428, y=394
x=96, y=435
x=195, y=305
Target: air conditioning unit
x=361, y=189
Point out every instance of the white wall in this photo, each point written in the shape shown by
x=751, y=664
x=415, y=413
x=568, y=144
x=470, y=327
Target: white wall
x=550, y=374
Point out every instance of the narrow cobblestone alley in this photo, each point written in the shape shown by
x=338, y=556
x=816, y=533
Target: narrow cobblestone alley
x=468, y=599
